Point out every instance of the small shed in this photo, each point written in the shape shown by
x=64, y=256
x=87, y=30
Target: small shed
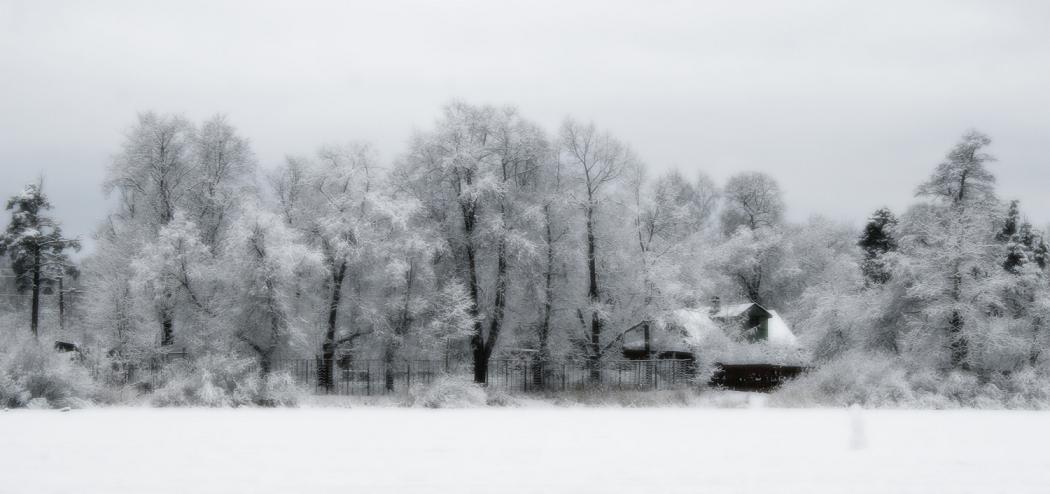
x=754, y=346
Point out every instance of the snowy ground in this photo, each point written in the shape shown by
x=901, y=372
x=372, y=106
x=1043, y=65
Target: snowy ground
x=578, y=450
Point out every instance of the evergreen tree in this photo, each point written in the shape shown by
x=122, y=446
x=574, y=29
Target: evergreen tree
x=1020, y=239
x=1010, y=223
x=35, y=243
x=876, y=240
x=1041, y=253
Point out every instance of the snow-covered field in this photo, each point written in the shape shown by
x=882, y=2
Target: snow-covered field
x=577, y=450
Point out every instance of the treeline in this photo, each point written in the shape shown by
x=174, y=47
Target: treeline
x=489, y=234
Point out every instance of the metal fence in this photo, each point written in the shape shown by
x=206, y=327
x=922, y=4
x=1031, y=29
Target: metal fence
x=375, y=377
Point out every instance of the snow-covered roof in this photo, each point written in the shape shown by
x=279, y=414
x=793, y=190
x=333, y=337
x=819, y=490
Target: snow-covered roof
x=677, y=332
x=779, y=331
x=731, y=311
x=683, y=329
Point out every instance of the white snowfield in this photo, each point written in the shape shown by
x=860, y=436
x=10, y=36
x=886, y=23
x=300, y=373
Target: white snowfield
x=575, y=450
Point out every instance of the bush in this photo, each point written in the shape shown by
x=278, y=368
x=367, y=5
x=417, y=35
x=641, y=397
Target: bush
x=447, y=392
x=879, y=380
x=32, y=373
x=222, y=381
x=855, y=378
x=499, y=397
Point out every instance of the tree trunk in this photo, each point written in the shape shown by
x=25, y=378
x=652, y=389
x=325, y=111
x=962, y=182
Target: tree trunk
x=958, y=344
x=477, y=340
x=957, y=340
x=266, y=363
x=388, y=364
x=328, y=348
x=35, y=315
x=167, y=327
x=593, y=294
x=403, y=323
x=1034, y=352
x=544, y=356
x=499, y=304
x=167, y=321
x=61, y=303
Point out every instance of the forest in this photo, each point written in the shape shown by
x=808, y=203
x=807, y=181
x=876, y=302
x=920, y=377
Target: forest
x=489, y=237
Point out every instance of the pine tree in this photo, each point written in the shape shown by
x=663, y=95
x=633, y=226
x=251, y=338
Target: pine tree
x=1019, y=238
x=1010, y=223
x=1041, y=253
x=876, y=240
x=35, y=243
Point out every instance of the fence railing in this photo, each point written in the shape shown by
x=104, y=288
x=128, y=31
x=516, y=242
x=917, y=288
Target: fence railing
x=375, y=377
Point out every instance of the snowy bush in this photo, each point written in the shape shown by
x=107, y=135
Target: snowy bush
x=280, y=390
x=868, y=379
x=12, y=394
x=447, y=392
x=499, y=397
x=882, y=380
x=222, y=381
x=631, y=398
x=32, y=373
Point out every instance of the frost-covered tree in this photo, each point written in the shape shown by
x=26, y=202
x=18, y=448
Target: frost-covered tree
x=556, y=209
x=36, y=246
x=225, y=174
x=174, y=275
x=751, y=199
x=262, y=261
x=670, y=213
x=471, y=172
x=876, y=241
x=415, y=312
x=753, y=260
x=948, y=248
x=167, y=166
x=332, y=201
x=597, y=161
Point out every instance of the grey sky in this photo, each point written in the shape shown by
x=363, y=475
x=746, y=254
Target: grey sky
x=848, y=104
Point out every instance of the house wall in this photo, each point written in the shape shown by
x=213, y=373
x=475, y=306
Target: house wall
x=756, y=317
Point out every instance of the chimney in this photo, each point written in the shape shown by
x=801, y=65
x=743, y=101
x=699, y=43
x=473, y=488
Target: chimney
x=716, y=305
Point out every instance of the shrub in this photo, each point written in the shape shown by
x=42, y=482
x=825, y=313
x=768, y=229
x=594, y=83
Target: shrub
x=32, y=373
x=218, y=380
x=499, y=397
x=854, y=378
x=879, y=380
x=447, y=392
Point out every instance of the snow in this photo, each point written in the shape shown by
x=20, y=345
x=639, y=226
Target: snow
x=695, y=325
x=666, y=450
x=779, y=332
x=731, y=311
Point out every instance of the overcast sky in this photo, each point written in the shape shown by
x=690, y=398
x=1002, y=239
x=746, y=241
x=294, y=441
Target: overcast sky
x=848, y=104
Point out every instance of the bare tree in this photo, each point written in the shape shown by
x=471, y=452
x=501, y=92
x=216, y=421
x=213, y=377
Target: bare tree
x=599, y=160
x=753, y=200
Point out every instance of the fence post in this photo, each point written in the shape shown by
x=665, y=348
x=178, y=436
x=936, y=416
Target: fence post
x=408, y=374
x=368, y=378
x=563, y=369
